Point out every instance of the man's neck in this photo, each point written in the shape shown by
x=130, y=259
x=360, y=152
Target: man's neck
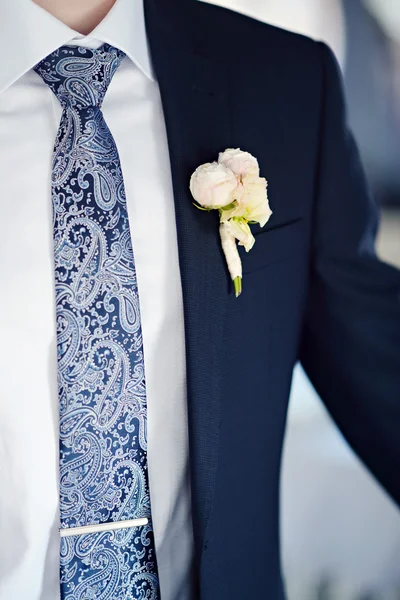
x=83, y=16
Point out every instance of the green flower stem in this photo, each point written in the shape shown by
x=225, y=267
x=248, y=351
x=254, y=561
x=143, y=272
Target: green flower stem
x=237, y=284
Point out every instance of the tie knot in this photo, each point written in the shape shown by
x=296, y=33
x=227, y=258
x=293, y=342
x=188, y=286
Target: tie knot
x=79, y=76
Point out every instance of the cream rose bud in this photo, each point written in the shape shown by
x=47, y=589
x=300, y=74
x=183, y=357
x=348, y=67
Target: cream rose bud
x=213, y=185
x=241, y=163
x=254, y=200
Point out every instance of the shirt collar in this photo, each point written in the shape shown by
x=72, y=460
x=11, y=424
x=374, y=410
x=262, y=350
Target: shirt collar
x=30, y=34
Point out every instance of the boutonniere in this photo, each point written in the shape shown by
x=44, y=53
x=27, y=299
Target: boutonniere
x=233, y=186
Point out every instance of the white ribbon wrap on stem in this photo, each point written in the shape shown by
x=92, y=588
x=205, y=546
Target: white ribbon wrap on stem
x=229, y=246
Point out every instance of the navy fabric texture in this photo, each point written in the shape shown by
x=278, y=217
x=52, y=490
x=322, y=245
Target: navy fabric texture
x=313, y=289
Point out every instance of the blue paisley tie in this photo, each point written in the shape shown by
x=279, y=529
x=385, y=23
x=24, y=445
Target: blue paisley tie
x=101, y=384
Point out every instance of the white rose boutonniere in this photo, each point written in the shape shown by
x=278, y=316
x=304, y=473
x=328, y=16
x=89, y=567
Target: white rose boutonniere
x=233, y=186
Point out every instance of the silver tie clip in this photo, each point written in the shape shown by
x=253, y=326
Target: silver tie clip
x=69, y=531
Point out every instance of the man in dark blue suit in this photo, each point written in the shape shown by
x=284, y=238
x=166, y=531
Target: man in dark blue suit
x=314, y=290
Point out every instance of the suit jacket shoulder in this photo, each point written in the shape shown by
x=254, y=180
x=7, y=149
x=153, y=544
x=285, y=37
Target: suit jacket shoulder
x=249, y=43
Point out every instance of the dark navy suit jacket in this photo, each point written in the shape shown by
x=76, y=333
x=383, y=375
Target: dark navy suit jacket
x=313, y=289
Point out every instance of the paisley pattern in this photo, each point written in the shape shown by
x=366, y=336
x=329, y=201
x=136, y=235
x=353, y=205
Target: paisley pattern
x=101, y=382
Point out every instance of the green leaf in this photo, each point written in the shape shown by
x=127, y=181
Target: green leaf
x=229, y=206
x=201, y=207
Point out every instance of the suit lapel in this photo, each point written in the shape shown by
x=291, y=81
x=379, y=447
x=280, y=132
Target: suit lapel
x=194, y=97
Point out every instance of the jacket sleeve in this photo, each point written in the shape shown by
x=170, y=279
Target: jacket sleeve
x=351, y=337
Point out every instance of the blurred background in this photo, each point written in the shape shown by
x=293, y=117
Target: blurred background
x=340, y=531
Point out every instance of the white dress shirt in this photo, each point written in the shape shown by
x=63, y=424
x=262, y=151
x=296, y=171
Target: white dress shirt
x=29, y=119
